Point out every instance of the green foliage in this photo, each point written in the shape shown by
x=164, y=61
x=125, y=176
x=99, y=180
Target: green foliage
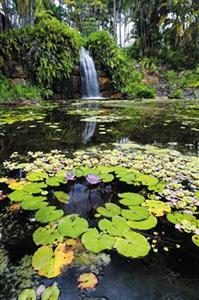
x=9, y=92
x=72, y=226
x=27, y=294
x=48, y=214
x=49, y=50
x=46, y=235
x=51, y=293
x=108, y=57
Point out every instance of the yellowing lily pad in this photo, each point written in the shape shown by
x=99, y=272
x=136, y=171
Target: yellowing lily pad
x=87, y=281
x=157, y=208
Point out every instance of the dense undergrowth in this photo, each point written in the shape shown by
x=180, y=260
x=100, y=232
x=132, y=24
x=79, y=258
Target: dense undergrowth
x=48, y=59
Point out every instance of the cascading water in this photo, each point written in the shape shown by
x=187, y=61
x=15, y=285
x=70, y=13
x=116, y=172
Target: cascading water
x=90, y=86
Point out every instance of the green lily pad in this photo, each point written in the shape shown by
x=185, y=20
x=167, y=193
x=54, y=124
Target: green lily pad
x=34, y=188
x=147, y=224
x=128, y=178
x=157, y=208
x=72, y=226
x=146, y=179
x=51, y=293
x=107, y=177
x=195, y=239
x=116, y=227
x=135, y=213
x=131, y=199
x=95, y=242
x=110, y=210
x=34, y=203
x=36, y=176
x=18, y=196
x=61, y=196
x=55, y=181
x=27, y=294
x=48, y=214
x=46, y=235
x=132, y=245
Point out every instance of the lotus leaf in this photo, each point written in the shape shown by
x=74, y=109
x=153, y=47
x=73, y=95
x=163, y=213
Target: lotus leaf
x=110, y=210
x=34, y=188
x=131, y=199
x=149, y=223
x=27, y=294
x=34, y=203
x=55, y=181
x=133, y=245
x=195, y=239
x=61, y=196
x=87, y=281
x=157, y=208
x=135, y=213
x=47, y=235
x=51, y=293
x=114, y=228
x=36, y=176
x=50, y=264
x=48, y=214
x=95, y=242
x=72, y=226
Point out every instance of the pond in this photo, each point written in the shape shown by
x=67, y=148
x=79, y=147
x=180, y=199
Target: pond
x=158, y=138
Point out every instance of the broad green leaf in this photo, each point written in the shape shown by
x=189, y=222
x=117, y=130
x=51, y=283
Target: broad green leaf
x=34, y=203
x=36, y=176
x=116, y=227
x=27, y=294
x=51, y=293
x=132, y=245
x=95, y=242
x=47, y=235
x=195, y=239
x=135, y=213
x=48, y=214
x=131, y=199
x=61, y=196
x=147, y=224
x=110, y=210
x=72, y=226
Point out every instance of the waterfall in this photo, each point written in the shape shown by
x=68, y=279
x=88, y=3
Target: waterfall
x=90, y=86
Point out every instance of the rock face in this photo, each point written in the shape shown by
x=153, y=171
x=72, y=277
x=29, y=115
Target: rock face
x=14, y=70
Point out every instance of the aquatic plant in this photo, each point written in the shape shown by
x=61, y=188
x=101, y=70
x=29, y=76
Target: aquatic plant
x=96, y=242
x=27, y=294
x=51, y=293
x=109, y=210
x=72, y=226
x=87, y=281
x=92, y=179
x=48, y=214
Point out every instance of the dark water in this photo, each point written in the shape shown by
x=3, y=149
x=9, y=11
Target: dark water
x=173, y=124
x=169, y=275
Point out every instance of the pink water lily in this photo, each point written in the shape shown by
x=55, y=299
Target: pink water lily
x=70, y=176
x=93, y=179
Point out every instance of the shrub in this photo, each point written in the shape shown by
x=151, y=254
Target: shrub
x=49, y=50
x=9, y=92
x=108, y=57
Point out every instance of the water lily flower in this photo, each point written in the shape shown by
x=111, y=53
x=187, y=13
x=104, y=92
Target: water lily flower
x=93, y=179
x=70, y=176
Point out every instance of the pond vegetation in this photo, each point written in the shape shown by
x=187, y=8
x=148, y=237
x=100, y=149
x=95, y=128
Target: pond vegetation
x=99, y=144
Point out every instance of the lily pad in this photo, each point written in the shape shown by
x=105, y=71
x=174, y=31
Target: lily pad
x=36, y=176
x=34, y=203
x=48, y=214
x=18, y=196
x=51, y=293
x=116, y=227
x=61, y=196
x=50, y=264
x=87, y=281
x=110, y=210
x=27, y=294
x=157, y=208
x=72, y=226
x=47, y=235
x=195, y=239
x=147, y=224
x=135, y=213
x=132, y=245
x=96, y=242
x=131, y=199
x=55, y=181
